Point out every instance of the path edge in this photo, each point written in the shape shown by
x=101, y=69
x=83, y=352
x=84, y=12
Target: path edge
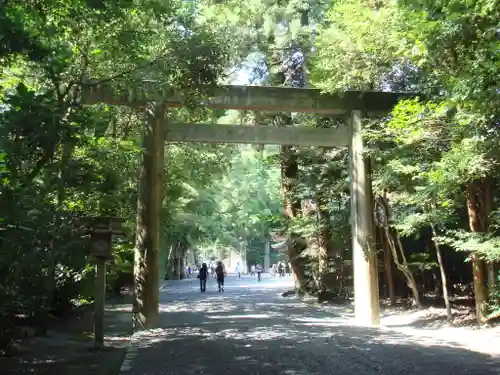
x=131, y=352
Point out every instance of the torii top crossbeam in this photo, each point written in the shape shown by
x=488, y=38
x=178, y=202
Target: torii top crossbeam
x=261, y=98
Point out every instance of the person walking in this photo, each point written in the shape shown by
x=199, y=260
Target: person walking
x=220, y=273
x=274, y=269
x=238, y=270
x=202, y=275
x=281, y=269
x=259, y=270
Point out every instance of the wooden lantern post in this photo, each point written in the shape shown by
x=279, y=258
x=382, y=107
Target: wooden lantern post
x=101, y=231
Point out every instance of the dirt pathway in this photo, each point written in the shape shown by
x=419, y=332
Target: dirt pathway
x=68, y=346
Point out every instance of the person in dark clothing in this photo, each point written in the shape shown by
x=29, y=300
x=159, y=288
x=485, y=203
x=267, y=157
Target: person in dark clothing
x=281, y=269
x=259, y=270
x=220, y=273
x=202, y=275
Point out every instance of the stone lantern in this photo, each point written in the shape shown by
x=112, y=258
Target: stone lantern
x=101, y=230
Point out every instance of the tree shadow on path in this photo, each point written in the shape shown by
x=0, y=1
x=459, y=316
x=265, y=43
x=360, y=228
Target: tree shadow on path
x=253, y=331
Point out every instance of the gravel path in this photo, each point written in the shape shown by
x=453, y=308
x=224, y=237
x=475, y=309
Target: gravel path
x=251, y=330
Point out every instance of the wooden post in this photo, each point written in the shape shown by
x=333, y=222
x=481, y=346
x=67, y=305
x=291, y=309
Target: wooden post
x=146, y=262
x=99, y=302
x=366, y=299
x=267, y=261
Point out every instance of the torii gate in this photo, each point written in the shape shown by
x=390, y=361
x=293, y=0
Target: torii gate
x=354, y=104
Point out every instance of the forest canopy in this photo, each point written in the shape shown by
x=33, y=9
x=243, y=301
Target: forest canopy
x=434, y=159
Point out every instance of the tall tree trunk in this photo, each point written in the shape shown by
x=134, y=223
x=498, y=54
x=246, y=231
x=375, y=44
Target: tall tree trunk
x=297, y=263
x=175, y=267
x=289, y=166
x=388, y=268
x=289, y=171
x=168, y=265
x=149, y=202
x=478, y=215
x=181, y=256
x=490, y=266
x=491, y=278
x=323, y=238
x=178, y=257
x=182, y=268
x=442, y=271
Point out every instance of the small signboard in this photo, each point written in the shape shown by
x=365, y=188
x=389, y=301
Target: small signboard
x=101, y=243
x=101, y=230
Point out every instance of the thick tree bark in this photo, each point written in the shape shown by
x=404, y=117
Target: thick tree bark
x=146, y=262
x=294, y=249
x=478, y=211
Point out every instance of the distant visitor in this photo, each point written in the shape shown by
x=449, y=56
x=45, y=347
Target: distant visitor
x=202, y=275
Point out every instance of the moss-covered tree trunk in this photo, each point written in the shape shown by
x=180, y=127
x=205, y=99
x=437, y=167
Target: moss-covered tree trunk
x=146, y=259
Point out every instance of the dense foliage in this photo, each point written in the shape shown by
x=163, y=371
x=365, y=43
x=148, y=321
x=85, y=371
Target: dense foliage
x=434, y=159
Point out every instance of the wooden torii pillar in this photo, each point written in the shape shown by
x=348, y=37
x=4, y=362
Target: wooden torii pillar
x=366, y=291
x=149, y=202
x=156, y=99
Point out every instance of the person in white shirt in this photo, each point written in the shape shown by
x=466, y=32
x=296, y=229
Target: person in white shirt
x=238, y=270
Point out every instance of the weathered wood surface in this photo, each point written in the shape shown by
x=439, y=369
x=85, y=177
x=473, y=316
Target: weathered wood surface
x=262, y=98
x=149, y=202
x=301, y=136
x=366, y=296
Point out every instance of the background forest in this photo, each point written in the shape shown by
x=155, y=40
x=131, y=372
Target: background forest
x=434, y=159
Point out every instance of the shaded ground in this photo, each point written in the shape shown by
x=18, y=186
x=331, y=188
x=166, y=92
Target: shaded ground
x=68, y=346
x=251, y=329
